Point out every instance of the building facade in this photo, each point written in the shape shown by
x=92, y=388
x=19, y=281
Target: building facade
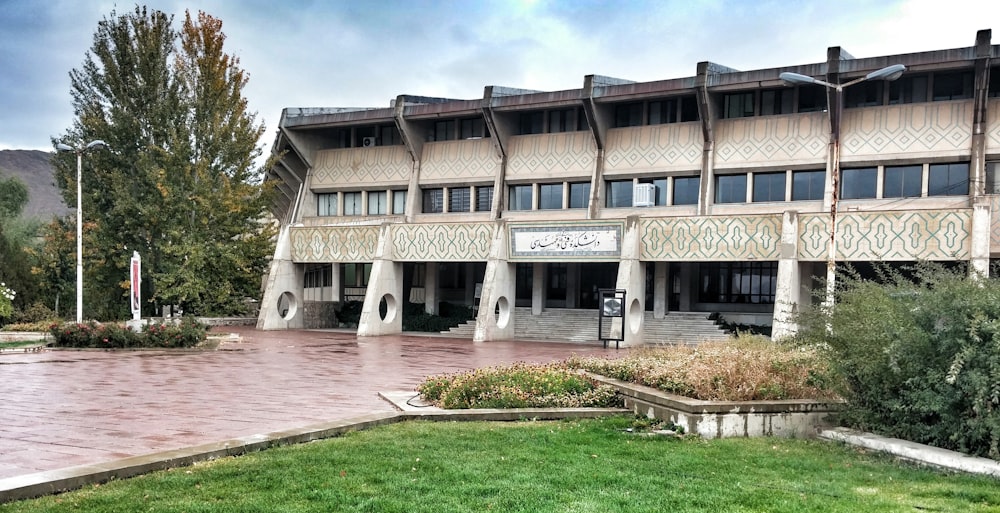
x=712, y=193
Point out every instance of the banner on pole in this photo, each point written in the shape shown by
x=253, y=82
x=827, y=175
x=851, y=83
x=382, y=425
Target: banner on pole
x=135, y=273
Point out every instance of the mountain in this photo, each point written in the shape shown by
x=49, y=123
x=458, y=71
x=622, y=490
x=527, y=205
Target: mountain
x=35, y=170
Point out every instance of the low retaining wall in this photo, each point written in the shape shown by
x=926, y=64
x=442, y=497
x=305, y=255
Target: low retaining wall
x=719, y=419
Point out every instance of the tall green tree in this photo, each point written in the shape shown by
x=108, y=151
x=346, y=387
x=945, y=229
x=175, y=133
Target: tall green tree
x=178, y=183
x=17, y=237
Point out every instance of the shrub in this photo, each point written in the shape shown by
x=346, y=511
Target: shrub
x=37, y=312
x=746, y=369
x=517, y=386
x=919, y=352
x=187, y=333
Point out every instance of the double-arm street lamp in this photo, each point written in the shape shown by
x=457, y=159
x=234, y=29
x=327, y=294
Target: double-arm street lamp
x=887, y=73
x=92, y=145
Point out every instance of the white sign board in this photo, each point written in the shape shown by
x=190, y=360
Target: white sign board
x=581, y=242
x=135, y=280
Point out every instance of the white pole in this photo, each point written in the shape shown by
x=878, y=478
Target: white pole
x=79, y=238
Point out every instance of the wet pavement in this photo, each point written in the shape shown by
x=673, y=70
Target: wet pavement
x=67, y=408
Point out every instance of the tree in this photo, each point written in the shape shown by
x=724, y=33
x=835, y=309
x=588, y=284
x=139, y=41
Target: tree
x=16, y=238
x=178, y=184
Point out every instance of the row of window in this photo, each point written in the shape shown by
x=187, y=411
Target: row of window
x=477, y=198
x=354, y=203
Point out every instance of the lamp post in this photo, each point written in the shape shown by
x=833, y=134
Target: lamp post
x=92, y=145
x=887, y=73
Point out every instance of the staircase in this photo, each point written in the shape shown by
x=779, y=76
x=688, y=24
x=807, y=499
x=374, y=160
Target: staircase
x=567, y=325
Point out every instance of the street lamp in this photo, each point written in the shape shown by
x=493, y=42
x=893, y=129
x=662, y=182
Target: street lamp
x=887, y=73
x=92, y=145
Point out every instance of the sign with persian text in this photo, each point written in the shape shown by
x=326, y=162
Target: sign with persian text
x=565, y=242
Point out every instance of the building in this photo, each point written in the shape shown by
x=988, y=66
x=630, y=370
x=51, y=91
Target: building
x=712, y=193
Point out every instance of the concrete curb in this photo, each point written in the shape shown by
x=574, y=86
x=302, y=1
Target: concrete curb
x=919, y=453
x=55, y=481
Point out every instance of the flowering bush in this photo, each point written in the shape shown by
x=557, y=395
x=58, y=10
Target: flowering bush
x=6, y=301
x=188, y=333
x=519, y=385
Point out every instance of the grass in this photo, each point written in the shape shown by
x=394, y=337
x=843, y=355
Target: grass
x=21, y=343
x=578, y=466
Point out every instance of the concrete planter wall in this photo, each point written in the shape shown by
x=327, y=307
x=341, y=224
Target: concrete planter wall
x=718, y=419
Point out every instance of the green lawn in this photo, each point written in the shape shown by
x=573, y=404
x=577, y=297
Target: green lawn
x=572, y=466
x=21, y=343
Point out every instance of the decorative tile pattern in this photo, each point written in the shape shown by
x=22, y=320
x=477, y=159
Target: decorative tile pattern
x=711, y=238
x=916, y=128
x=995, y=224
x=551, y=155
x=459, y=161
x=772, y=140
x=361, y=166
x=993, y=125
x=921, y=235
x=442, y=242
x=671, y=147
x=334, y=243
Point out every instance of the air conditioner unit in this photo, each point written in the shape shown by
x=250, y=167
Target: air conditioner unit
x=367, y=142
x=644, y=195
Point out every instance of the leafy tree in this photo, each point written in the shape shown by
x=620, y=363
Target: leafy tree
x=13, y=197
x=55, y=262
x=16, y=237
x=179, y=183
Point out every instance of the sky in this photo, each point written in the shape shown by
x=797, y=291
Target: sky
x=364, y=53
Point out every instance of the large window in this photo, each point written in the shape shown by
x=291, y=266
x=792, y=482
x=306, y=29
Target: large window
x=948, y=179
x=663, y=111
x=738, y=282
x=520, y=197
x=353, y=205
x=531, y=122
x=389, y=136
x=902, y=181
x=471, y=128
x=458, y=199
x=731, y=188
x=484, y=198
x=660, y=185
x=619, y=193
x=858, y=183
x=686, y=190
x=628, y=114
x=908, y=89
x=812, y=98
x=550, y=196
x=377, y=203
x=808, y=185
x=561, y=121
x=327, y=204
x=433, y=201
x=444, y=130
x=769, y=186
x=777, y=101
x=737, y=105
x=952, y=86
x=579, y=195
x=398, y=202
x=865, y=94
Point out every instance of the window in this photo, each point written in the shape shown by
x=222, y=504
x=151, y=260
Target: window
x=908, y=89
x=550, y=196
x=399, y=202
x=865, y=94
x=458, y=199
x=356, y=275
x=484, y=198
x=738, y=282
x=560, y=121
x=520, y=197
x=352, y=204
x=663, y=111
x=993, y=90
x=812, y=99
x=858, y=183
x=377, y=203
x=661, y=191
x=948, y=179
x=531, y=122
x=777, y=101
x=808, y=185
x=737, y=105
x=619, y=194
x=472, y=127
x=628, y=114
x=433, y=201
x=579, y=194
x=686, y=190
x=769, y=186
x=362, y=133
x=689, y=108
x=389, y=136
x=902, y=181
x=731, y=188
x=993, y=176
x=444, y=130
x=318, y=275
x=327, y=204
x=952, y=86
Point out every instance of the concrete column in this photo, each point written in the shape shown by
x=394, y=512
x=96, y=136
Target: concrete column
x=538, y=277
x=979, y=264
x=285, y=278
x=788, y=287
x=660, y=290
x=431, y=289
x=495, y=320
x=335, y=285
x=384, y=284
x=632, y=278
